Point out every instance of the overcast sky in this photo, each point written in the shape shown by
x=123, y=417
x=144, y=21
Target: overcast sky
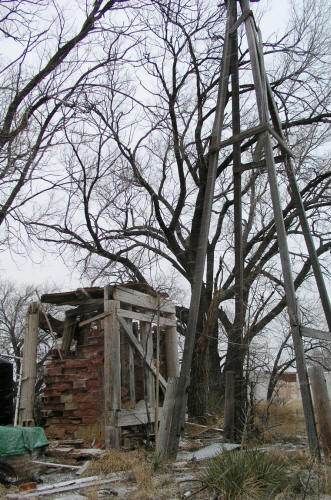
x=37, y=269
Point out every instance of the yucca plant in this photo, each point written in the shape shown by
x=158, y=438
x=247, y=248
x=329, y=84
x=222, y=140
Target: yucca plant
x=247, y=474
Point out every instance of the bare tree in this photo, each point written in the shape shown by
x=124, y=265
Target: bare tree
x=14, y=302
x=49, y=57
x=137, y=163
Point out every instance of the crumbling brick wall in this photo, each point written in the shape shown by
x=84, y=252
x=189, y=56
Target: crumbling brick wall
x=73, y=395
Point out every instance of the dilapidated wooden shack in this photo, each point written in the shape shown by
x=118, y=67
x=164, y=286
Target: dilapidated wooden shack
x=115, y=344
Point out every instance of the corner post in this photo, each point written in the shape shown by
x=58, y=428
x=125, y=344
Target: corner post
x=29, y=367
x=112, y=371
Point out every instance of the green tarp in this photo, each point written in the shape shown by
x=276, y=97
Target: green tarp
x=18, y=440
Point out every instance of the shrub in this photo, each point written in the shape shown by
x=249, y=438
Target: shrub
x=247, y=474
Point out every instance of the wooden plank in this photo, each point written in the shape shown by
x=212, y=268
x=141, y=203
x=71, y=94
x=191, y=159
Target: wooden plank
x=147, y=342
x=147, y=316
x=137, y=417
x=171, y=348
x=74, y=484
x=240, y=20
x=261, y=164
x=315, y=334
x=282, y=144
x=29, y=368
x=164, y=436
x=52, y=464
x=94, y=318
x=259, y=129
x=140, y=350
x=135, y=298
x=112, y=371
x=68, y=332
x=127, y=366
x=322, y=406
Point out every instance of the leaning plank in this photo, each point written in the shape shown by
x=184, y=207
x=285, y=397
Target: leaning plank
x=52, y=464
x=315, y=334
x=282, y=144
x=94, y=318
x=205, y=428
x=76, y=453
x=140, y=299
x=139, y=348
x=148, y=317
x=75, y=484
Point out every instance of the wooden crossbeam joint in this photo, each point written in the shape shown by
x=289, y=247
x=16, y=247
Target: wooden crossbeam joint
x=240, y=20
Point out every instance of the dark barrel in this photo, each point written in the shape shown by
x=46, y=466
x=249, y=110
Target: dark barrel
x=6, y=392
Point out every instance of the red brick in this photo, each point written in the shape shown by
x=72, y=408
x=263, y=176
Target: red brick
x=62, y=386
x=87, y=413
x=93, y=383
x=91, y=395
x=80, y=383
x=89, y=420
x=96, y=361
x=75, y=363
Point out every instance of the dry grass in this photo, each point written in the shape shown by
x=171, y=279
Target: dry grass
x=134, y=462
x=3, y=491
x=280, y=422
x=142, y=474
x=115, y=461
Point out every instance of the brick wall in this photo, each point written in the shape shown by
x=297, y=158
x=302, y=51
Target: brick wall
x=73, y=395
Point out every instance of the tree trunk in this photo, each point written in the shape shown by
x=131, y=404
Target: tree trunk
x=234, y=362
x=216, y=388
x=198, y=390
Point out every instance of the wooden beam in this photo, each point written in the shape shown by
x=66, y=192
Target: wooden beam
x=146, y=316
x=240, y=20
x=127, y=366
x=112, y=372
x=259, y=129
x=29, y=369
x=147, y=342
x=135, y=298
x=261, y=164
x=140, y=350
x=322, y=407
x=315, y=334
x=282, y=144
x=164, y=436
x=94, y=318
x=260, y=84
x=68, y=332
x=171, y=348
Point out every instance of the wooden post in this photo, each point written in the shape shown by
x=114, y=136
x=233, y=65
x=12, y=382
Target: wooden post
x=322, y=406
x=127, y=365
x=178, y=418
x=68, y=331
x=229, y=403
x=171, y=348
x=260, y=84
x=147, y=343
x=112, y=372
x=164, y=438
x=29, y=366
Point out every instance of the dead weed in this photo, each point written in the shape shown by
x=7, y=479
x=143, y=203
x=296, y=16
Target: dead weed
x=115, y=461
